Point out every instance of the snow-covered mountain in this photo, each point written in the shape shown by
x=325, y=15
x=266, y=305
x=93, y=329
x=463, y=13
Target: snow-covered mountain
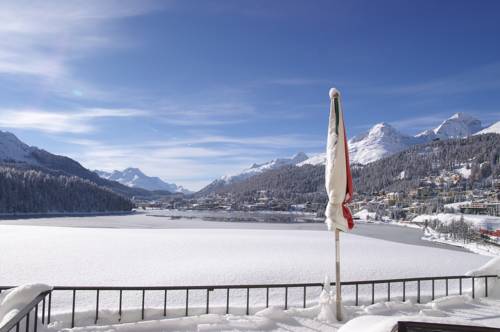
x=383, y=140
x=13, y=150
x=135, y=178
x=259, y=168
x=459, y=125
x=17, y=154
x=493, y=129
x=380, y=141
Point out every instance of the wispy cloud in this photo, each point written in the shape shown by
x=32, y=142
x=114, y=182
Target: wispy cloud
x=41, y=40
x=203, y=157
x=80, y=121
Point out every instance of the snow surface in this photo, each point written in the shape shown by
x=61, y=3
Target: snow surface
x=482, y=248
x=319, y=159
x=88, y=256
x=177, y=256
x=447, y=218
x=15, y=299
x=493, y=129
x=365, y=215
x=464, y=171
x=455, y=207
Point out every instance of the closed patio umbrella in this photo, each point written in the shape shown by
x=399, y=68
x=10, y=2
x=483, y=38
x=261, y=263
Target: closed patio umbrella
x=338, y=181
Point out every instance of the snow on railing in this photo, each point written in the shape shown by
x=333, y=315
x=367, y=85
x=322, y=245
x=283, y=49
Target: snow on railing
x=22, y=319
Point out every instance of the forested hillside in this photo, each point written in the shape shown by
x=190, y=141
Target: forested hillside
x=31, y=191
x=479, y=153
x=400, y=172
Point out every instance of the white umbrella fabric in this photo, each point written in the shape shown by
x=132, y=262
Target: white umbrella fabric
x=338, y=181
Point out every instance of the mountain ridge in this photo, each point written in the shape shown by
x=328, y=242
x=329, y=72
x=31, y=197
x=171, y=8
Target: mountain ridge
x=380, y=141
x=133, y=177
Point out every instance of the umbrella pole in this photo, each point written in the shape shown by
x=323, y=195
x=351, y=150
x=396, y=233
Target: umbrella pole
x=338, y=296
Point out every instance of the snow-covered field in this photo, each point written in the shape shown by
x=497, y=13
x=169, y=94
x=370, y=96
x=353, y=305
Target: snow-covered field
x=172, y=257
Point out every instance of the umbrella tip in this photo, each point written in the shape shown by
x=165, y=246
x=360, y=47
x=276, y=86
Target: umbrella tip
x=334, y=93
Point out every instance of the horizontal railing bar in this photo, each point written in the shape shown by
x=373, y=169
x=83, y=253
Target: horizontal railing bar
x=290, y=285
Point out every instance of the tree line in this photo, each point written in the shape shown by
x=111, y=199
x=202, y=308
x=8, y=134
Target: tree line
x=33, y=191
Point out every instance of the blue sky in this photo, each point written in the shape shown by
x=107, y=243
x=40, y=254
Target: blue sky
x=192, y=90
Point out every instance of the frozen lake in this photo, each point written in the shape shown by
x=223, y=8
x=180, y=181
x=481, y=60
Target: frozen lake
x=208, y=220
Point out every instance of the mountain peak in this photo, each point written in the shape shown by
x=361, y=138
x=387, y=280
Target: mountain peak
x=459, y=125
x=133, y=170
x=13, y=149
x=382, y=128
x=299, y=157
x=133, y=177
x=462, y=116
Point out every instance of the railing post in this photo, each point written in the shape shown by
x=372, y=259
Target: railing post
x=96, y=307
x=208, y=301
x=35, y=321
x=165, y=303
x=43, y=310
x=460, y=284
x=248, y=301
x=49, y=308
x=187, y=301
x=73, y=310
x=418, y=291
x=28, y=322
x=389, y=291
x=473, y=287
x=373, y=292
x=433, y=289
x=120, y=306
x=227, y=301
x=305, y=296
x=446, y=286
x=286, y=298
x=357, y=291
x=404, y=291
x=485, y=286
x=143, y=300
x=267, y=297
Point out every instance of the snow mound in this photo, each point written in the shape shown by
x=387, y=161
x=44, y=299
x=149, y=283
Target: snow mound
x=450, y=301
x=15, y=299
x=492, y=267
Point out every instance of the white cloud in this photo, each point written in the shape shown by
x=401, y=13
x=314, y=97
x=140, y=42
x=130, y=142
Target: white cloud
x=41, y=40
x=80, y=121
x=192, y=162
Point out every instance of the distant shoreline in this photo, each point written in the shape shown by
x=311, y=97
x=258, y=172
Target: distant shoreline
x=35, y=215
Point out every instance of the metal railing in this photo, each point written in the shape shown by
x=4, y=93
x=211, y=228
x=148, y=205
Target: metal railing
x=394, y=289
x=22, y=320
